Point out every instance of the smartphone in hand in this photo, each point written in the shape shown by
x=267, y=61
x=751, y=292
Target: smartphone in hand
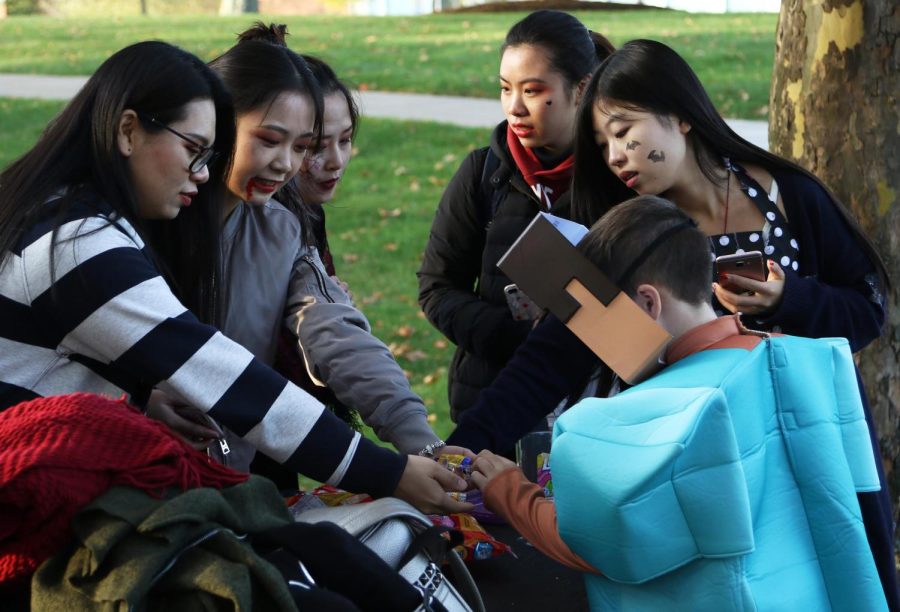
x=750, y=264
x=520, y=305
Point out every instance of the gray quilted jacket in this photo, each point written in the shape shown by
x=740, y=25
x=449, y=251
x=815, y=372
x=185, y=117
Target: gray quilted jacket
x=272, y=278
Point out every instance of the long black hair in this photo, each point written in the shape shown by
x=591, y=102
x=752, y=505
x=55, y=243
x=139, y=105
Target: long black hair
x=650, y=76
x=572, y=50
x=77, y=153
x=258, y=69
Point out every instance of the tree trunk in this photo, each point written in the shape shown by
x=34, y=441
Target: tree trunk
x=833, y=109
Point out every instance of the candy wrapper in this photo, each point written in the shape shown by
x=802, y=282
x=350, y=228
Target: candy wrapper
x=543, y=474
x=477, y=543
x=458, y=464
x=480, y=512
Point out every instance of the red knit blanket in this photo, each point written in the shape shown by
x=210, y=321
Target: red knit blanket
x=59, y=453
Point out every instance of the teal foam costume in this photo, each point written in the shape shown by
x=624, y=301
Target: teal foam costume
x=726, y=482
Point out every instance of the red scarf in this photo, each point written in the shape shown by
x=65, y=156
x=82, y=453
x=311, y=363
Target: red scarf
x=547, y=184
x=59, y=453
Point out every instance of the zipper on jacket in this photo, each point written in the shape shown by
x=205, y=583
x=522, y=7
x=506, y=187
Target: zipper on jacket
x=320, y=278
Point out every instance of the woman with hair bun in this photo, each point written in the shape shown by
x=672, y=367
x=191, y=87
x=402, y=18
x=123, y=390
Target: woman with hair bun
x=273, y=276
x=545, y=62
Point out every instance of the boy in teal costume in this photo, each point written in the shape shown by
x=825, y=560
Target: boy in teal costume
x=728, y=480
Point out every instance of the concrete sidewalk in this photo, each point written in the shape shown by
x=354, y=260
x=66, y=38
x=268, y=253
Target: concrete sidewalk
x=454, y=110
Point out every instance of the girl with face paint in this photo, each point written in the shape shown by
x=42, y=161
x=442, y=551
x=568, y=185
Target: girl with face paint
x=322, y=170
x=274, y=279
x=647, y=126
x=544, y=64
x=825, y=277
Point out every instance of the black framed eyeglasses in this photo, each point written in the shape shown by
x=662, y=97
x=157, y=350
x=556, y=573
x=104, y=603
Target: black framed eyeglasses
x=204, y=157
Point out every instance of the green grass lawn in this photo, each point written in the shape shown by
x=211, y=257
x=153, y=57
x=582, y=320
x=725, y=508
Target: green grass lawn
x=378, y=226
x=441, y=54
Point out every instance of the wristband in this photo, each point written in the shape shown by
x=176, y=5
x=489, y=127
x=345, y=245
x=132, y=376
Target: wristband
x=429, y=450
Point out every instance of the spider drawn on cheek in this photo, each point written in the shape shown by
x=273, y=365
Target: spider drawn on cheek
x=315, y=162
x=631, y=146
x=657, y=157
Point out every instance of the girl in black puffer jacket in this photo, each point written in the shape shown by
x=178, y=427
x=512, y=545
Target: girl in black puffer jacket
x=545, y=62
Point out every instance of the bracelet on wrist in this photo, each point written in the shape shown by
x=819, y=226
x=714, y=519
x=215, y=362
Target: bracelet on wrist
x=430, y=450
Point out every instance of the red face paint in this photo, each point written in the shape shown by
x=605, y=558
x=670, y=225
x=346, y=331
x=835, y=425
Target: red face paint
x=250, y=185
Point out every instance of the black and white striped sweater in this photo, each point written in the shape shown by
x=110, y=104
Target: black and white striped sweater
x=106, y=322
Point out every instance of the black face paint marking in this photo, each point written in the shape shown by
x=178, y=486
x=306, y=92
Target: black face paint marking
x=657, y=157
x=631, y=146
x=549, y=102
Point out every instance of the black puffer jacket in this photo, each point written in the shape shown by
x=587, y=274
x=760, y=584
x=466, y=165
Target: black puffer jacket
x=460, y=286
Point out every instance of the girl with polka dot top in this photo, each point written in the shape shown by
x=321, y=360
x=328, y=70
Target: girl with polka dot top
x=647, y=126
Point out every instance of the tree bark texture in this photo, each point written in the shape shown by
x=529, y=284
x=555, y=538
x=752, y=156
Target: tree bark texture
x=833, y=109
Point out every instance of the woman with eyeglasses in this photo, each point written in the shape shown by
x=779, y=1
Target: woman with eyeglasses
x=103, y=290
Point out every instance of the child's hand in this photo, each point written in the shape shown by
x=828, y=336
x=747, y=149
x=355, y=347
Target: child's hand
x=488, y=465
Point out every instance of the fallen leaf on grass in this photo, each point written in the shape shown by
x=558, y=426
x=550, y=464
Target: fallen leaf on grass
x=440, y=344
x=391, y=247
x=405, y=331
x=371, y=298
x=399, y=350
x=416, y=355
